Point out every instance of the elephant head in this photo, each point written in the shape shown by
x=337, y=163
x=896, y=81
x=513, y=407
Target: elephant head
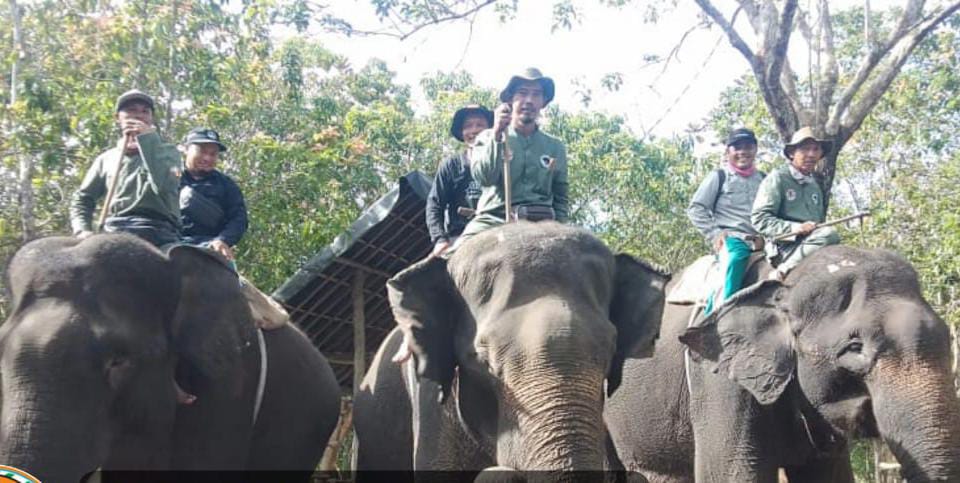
x=850, y=342
x=522, y=325
x=88, y=355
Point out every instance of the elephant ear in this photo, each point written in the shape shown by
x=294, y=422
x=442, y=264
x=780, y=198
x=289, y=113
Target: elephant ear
x=749, y=338
x=635, y=309
x=212, y=324
x=425, y=304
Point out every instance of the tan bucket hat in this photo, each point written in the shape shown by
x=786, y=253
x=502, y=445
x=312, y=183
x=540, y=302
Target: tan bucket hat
x=803, y=134
x=530, y=74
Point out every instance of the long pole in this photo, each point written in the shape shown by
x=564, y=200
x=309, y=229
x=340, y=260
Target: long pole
x=507, y=184
x=824, y=224
x=113, y=184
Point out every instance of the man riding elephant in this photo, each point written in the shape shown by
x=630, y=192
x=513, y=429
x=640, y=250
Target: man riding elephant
x=212, y=208
x=720, y=209
x=454, y=187
x=790, y=201
x=538, y=161
x=145, y=201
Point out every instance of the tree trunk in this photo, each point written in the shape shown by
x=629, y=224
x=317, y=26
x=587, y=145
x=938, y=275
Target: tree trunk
x=28, y=224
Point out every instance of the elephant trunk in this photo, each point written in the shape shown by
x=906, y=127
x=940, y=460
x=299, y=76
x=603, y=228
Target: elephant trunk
x=560, y=417
x=41, y=434
x=918, y=415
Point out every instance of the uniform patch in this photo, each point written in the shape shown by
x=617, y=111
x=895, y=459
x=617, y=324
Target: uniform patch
x=547, y=162
x=791, y=194
x=816, y=198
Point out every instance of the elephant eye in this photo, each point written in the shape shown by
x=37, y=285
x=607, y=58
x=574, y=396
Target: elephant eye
x=855, y=347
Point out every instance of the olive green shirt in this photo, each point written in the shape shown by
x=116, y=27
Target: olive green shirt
x=783, y=204
x=538, y=172
x=148, y=186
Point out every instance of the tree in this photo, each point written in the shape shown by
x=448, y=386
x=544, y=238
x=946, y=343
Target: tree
x=834, y=98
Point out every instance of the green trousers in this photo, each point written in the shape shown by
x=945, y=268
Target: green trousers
x=802, y=248
x=736, y=256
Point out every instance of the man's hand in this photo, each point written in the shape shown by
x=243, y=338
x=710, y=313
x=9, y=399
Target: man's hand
x=807, y=228
x=84, y=234
x=441, y=246
x=501, y=119
x=719, y=241
x=134, y=127
x=222, y=248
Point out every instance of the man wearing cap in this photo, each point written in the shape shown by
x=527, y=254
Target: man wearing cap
x=790, y=201
x=538, y=161
x=213, y=212
x=454, y=186
x=145, y=201
x=721, y=207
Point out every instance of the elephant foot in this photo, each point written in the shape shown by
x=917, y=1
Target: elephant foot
x=183, y=397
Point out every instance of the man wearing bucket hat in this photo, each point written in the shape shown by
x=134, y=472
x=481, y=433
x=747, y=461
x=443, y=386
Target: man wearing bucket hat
x=146, y=169
x=721, y=207
x=790, y=201
x=538, y=161
x=213, y=212
x=454, y=186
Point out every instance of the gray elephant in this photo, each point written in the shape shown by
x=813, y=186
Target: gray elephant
x=512, y=339
x=787, y=375
x=98, y=333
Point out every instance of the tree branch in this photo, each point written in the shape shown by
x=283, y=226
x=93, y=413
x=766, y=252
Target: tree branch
x=911, y=13
x=776, y=52
x=891, y=67
x=727, y=27
x=789, y=85
x=829, y=70
x=403, y=35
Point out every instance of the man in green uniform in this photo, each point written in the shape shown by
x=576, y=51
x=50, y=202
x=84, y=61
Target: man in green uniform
x=789, y=200
x=146, y=201
x=538, y=161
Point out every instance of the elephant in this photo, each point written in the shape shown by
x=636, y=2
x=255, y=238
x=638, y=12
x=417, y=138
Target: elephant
x=786, y=375
x=512, y=339
x=99, y=331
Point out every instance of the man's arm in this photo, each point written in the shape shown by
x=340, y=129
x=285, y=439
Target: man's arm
x=766, y=208
x=485, y=163
x=93, y=187
x=700, y=210
x=561, y=203
x=160, y=159
x=235, y=213
x=437, y=201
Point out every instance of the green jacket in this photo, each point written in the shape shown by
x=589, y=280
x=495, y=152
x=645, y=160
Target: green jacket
x=783, y=204
x=148, y=186
x=534, y=180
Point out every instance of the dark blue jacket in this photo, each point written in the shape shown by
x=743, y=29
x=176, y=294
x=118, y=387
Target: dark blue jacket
x=452, y=188
x=211, y=207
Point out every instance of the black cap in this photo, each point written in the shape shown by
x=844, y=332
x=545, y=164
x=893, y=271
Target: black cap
x=133, y=95
x=740, y=135
x=202, y=135
x=456, y=127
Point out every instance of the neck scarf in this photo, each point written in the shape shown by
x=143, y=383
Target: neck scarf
x=743, y=172
x=800, y=177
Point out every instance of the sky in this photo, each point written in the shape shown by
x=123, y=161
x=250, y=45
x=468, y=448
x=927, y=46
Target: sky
x=653, y=100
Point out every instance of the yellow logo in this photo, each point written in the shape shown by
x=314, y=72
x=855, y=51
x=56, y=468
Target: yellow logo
x=9, y=474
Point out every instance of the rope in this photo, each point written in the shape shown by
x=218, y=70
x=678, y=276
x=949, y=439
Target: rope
x=262, y=381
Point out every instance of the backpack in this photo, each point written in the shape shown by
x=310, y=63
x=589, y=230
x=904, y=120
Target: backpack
x=722, y=174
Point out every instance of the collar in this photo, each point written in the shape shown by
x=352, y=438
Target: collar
x=800, y=177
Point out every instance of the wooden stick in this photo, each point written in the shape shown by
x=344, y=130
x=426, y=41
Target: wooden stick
x=507, y=184
x=113, y=184
x=825, y=224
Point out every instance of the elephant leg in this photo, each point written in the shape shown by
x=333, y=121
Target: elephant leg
x=440, y=441
x=825, y=470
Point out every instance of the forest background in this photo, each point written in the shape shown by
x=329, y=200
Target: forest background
x=314, y=139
